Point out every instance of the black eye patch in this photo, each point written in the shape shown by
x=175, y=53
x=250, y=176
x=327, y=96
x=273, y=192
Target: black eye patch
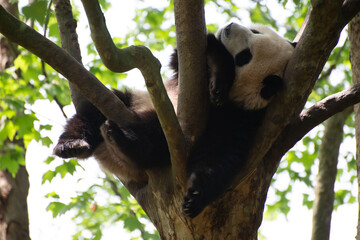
x=255, y=31
x=243, y=57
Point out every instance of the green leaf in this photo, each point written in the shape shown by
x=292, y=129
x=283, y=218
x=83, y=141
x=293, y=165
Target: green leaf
x=52, y=195
x=131, y=223
x=98, y=234
x=49, y=175
x=46, y=127
x=8, y=113
x=62, y=170
x=46, y=141
x=49, y=160
x=57, y=208
x=9, y=161
x=36, y=11
x=8, y=131
x=25, y=124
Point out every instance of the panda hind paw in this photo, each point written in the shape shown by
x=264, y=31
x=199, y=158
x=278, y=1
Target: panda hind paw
x=78, y=148
x=193, y=200
x=192, y=205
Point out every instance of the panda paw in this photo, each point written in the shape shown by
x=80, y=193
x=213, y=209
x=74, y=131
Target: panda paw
x=271, y=85
x=78, y=148
x=193, y=200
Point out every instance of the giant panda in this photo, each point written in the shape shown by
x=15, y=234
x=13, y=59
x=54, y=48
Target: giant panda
x=245, y=68
x=259, y=57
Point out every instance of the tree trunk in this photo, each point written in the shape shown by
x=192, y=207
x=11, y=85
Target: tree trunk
x=324, y=189
x=354, y=36
x=14, y=221
x=237, y=215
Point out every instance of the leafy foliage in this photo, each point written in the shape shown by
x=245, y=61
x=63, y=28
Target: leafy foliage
x=109, y=202
x=102, y=206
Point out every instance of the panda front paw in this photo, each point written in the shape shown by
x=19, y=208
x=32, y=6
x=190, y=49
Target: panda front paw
x=78, y=148
x=193, y=200
x=271, y=85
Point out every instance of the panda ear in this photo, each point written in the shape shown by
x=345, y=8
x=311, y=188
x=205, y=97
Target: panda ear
x=271, y=85
x=174, y=64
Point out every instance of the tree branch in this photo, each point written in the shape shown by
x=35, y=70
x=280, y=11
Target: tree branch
x=120, y=60
x=191, y=46
x=310, y=118
x=69, y=41
x=18, y=32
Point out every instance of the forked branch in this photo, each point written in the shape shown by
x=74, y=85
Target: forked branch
x=121, y=60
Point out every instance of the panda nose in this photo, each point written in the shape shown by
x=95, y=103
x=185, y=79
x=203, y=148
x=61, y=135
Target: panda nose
x=228, y=29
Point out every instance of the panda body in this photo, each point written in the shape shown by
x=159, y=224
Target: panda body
x=243, y=77
x=259, y=59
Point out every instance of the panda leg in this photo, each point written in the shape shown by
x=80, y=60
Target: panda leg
x=207, y=182
x=82, y=132
x=144, y=143
x=80, y=138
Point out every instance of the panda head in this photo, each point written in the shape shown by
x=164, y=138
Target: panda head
x=246, y=65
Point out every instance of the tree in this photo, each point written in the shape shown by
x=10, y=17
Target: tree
x=14, y=187
x=354, y=34
x=238, y=214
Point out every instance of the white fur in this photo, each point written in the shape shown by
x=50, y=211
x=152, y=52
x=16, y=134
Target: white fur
x=270, y=55
x=114, y=161
x=141, y=101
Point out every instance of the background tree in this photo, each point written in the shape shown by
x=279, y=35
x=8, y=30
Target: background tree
x=354, y=36
x=14, y=182
x=335, y=16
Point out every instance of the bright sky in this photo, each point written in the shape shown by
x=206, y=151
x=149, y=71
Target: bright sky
x=297, y=226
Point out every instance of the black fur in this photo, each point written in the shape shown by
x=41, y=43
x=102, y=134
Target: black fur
x=271, y=85
x=243, y=57
x=219, y=155
x=143, y=142
x=221, y=71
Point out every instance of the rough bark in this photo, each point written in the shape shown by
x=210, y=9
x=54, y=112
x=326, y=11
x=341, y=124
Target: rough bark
x=69, y=41
x=14, y=220
x=354, y=36
x=325, y=181
x=8, y=50
x=191, y=47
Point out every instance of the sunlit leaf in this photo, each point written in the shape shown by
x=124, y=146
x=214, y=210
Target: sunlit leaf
x=36, y=11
